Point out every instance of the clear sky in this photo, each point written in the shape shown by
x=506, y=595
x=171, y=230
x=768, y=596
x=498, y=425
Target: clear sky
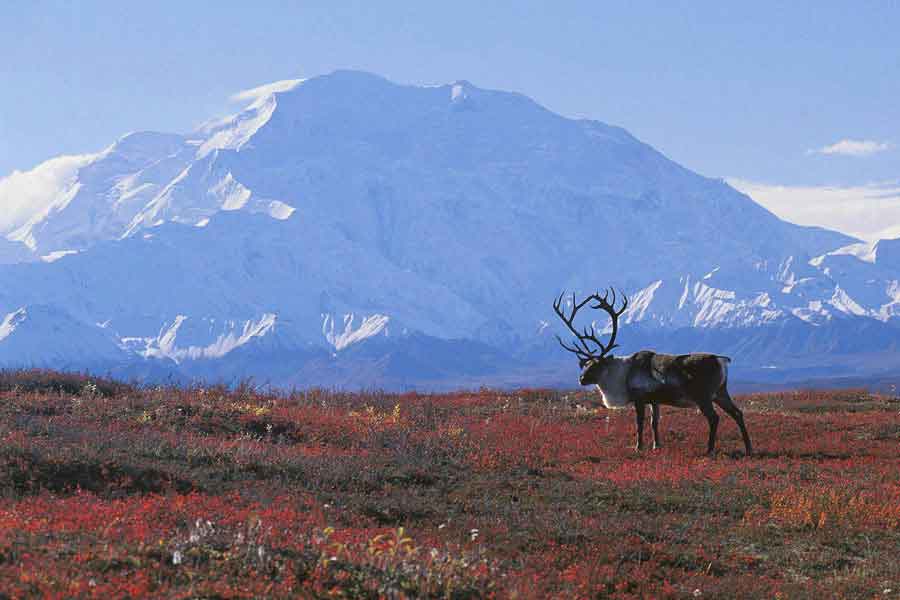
x=782, y=96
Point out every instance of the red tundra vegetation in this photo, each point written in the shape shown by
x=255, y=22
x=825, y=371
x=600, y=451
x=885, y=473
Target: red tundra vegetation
x=110, y=490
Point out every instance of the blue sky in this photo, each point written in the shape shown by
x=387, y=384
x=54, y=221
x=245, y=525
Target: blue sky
x=782, y=96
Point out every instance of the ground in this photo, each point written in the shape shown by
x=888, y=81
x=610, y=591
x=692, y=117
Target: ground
x=107, y=490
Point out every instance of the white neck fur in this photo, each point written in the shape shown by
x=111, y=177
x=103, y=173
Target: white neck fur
x=613, y=384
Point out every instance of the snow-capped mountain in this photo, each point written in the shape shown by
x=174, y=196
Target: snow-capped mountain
x=335, y=224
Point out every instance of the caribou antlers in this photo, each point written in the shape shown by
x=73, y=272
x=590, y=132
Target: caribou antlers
x=581, y=348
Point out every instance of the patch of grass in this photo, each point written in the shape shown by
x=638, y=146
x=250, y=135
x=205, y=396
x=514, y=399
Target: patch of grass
x=112, y=490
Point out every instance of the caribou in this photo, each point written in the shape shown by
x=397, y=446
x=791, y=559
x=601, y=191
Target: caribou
x=696, y=380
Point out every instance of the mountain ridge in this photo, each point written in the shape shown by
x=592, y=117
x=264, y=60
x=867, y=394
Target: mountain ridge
x=447, y=211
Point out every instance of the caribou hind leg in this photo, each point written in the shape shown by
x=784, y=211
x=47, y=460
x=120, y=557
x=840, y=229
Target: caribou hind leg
x=706, y=407
x=723, y=399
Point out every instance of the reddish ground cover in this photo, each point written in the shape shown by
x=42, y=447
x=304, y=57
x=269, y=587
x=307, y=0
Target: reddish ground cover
x=111, y=491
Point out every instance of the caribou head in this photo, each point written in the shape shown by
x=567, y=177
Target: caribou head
x=593, y=355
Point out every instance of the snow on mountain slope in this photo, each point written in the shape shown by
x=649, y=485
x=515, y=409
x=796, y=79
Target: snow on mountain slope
x=142, y=181
x=238, y=268
x=333, y=212
x=867, y=278
x=224, y=339
x=368, y=327
x=44, y=336
x=30, y=197
x=231, y=133
x=95, y=196
x=11, y=321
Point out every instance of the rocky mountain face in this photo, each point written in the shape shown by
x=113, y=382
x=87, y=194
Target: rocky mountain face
x=349, y=231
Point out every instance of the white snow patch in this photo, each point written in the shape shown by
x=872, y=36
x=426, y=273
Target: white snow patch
x=703, y=292
x=164, y=346
x=232, y=195
x=762, y=299
x=640, y=302
x=239, y=130
x=864, y=251
x=279, y=210
x=127, y=187
x=340, y=339
x=234, y=131
x=25, y=236
x=226, y=343
x=25, y=233
x=813, y=313
x=148, y=216
x=27, y=197
x=263, y=91
x=893, y=290
x=713, y=305
x=55, y=256
x=11, y=321
x=684, y=294
x=844, y=303
x=892, y=308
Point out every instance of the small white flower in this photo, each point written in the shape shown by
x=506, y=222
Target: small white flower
x=697, y=593
x=176, y=557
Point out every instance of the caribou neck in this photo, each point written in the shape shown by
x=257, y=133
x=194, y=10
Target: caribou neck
x=613, y=383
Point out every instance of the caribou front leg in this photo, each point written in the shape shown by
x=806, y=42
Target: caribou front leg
x=654, y=422
x=639, y=413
